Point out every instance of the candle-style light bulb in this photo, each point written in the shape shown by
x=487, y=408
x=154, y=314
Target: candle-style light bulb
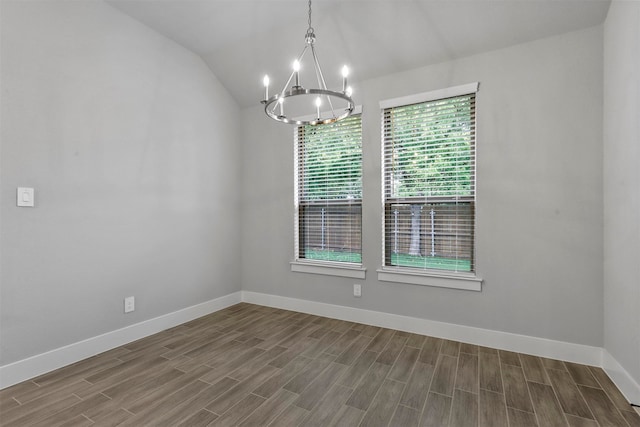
x=265, y=81
x=281, y=102
x=345, y=73
x=296, y=69
x=349, y=91
x=318, y=104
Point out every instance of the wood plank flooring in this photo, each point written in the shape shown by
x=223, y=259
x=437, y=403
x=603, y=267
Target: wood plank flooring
x=250, y=365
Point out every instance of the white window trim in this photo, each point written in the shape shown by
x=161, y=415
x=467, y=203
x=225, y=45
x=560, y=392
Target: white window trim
x=407, y=275
x=430, y=96
x=469, y=282
x=328, y=268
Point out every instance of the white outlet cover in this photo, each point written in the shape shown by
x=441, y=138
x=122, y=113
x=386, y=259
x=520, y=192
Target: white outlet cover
x=129, y=304
x=357, y=290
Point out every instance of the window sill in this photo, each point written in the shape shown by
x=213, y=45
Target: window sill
x=352, y=271
x=468, y=281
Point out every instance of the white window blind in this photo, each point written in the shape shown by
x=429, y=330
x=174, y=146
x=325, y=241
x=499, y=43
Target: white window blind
x=429, y=184
x=329, y=191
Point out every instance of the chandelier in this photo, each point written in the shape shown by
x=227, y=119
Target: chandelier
x=301, y=106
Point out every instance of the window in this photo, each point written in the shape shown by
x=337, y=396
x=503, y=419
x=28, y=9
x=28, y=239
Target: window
x=329, y=192
x=429, y=196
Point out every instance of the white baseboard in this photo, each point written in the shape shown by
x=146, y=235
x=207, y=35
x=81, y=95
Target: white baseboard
x=577, y=353
x=621, y=378
x=31, y=367
x=595, y=356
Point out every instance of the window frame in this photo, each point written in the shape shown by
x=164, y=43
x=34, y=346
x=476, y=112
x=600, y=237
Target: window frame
x=353, y=270
x=423, y=276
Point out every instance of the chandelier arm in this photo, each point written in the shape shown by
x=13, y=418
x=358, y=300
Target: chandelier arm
x=321, y=82
x=286, y=85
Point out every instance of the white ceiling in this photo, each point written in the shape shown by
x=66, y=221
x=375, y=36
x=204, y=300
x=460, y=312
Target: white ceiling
x=241, y=40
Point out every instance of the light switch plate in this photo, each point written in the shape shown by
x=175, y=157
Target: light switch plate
x=25, y=197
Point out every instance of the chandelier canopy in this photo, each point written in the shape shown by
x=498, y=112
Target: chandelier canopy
x=301, y=106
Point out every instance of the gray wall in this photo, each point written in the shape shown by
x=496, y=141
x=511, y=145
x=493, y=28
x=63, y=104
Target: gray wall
x=539, y=216
x=138, y=159
x=621, y=182
x=131, y=145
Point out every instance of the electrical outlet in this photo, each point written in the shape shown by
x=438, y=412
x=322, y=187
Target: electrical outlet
x=129, y=304
x=357, y=290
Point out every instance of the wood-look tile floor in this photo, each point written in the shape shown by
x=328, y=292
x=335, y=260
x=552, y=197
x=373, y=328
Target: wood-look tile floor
x=250, y=365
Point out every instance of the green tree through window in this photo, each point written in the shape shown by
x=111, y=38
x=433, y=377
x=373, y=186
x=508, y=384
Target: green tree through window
x=429, y=166
x=329, y=191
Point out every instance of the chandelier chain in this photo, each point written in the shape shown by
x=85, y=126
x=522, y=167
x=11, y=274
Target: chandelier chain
x=310, y=27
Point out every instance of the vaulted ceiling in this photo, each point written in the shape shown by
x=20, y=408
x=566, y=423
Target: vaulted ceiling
x=241, y=40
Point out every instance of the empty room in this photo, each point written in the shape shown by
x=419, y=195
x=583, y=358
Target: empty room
x=320, y=213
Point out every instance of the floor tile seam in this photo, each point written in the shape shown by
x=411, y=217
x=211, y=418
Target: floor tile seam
x=426, y=397
x=510, y=364
x=215, y=381
x=528, y=391
x=127, y=411
x=477, y=357
x=467, y=391
x=537, y=382
x=502, y=386
x=395, y=379
x=17, y=409
x=17, y=401
x=275, y=416
x=393, y=413
x=87, y=418
x=521, y=410
x=632, y=409
x=375, y=394
x=439, y=394
x=362, y=377
x=56, y=382
x=602, y=387
x=558, y=370
x=53, y=414
x=589, y=406
x=395, y=359
x=244, y=417
x=453, y=399
x=450, y=412
x=82, y=399
x=171, y=392
x=310, y=382
x=583, y=418
x=9, y=393
x=555, y=395
x=413, y=346
x=455, y=379
x=489, y=390
x=373, y=398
